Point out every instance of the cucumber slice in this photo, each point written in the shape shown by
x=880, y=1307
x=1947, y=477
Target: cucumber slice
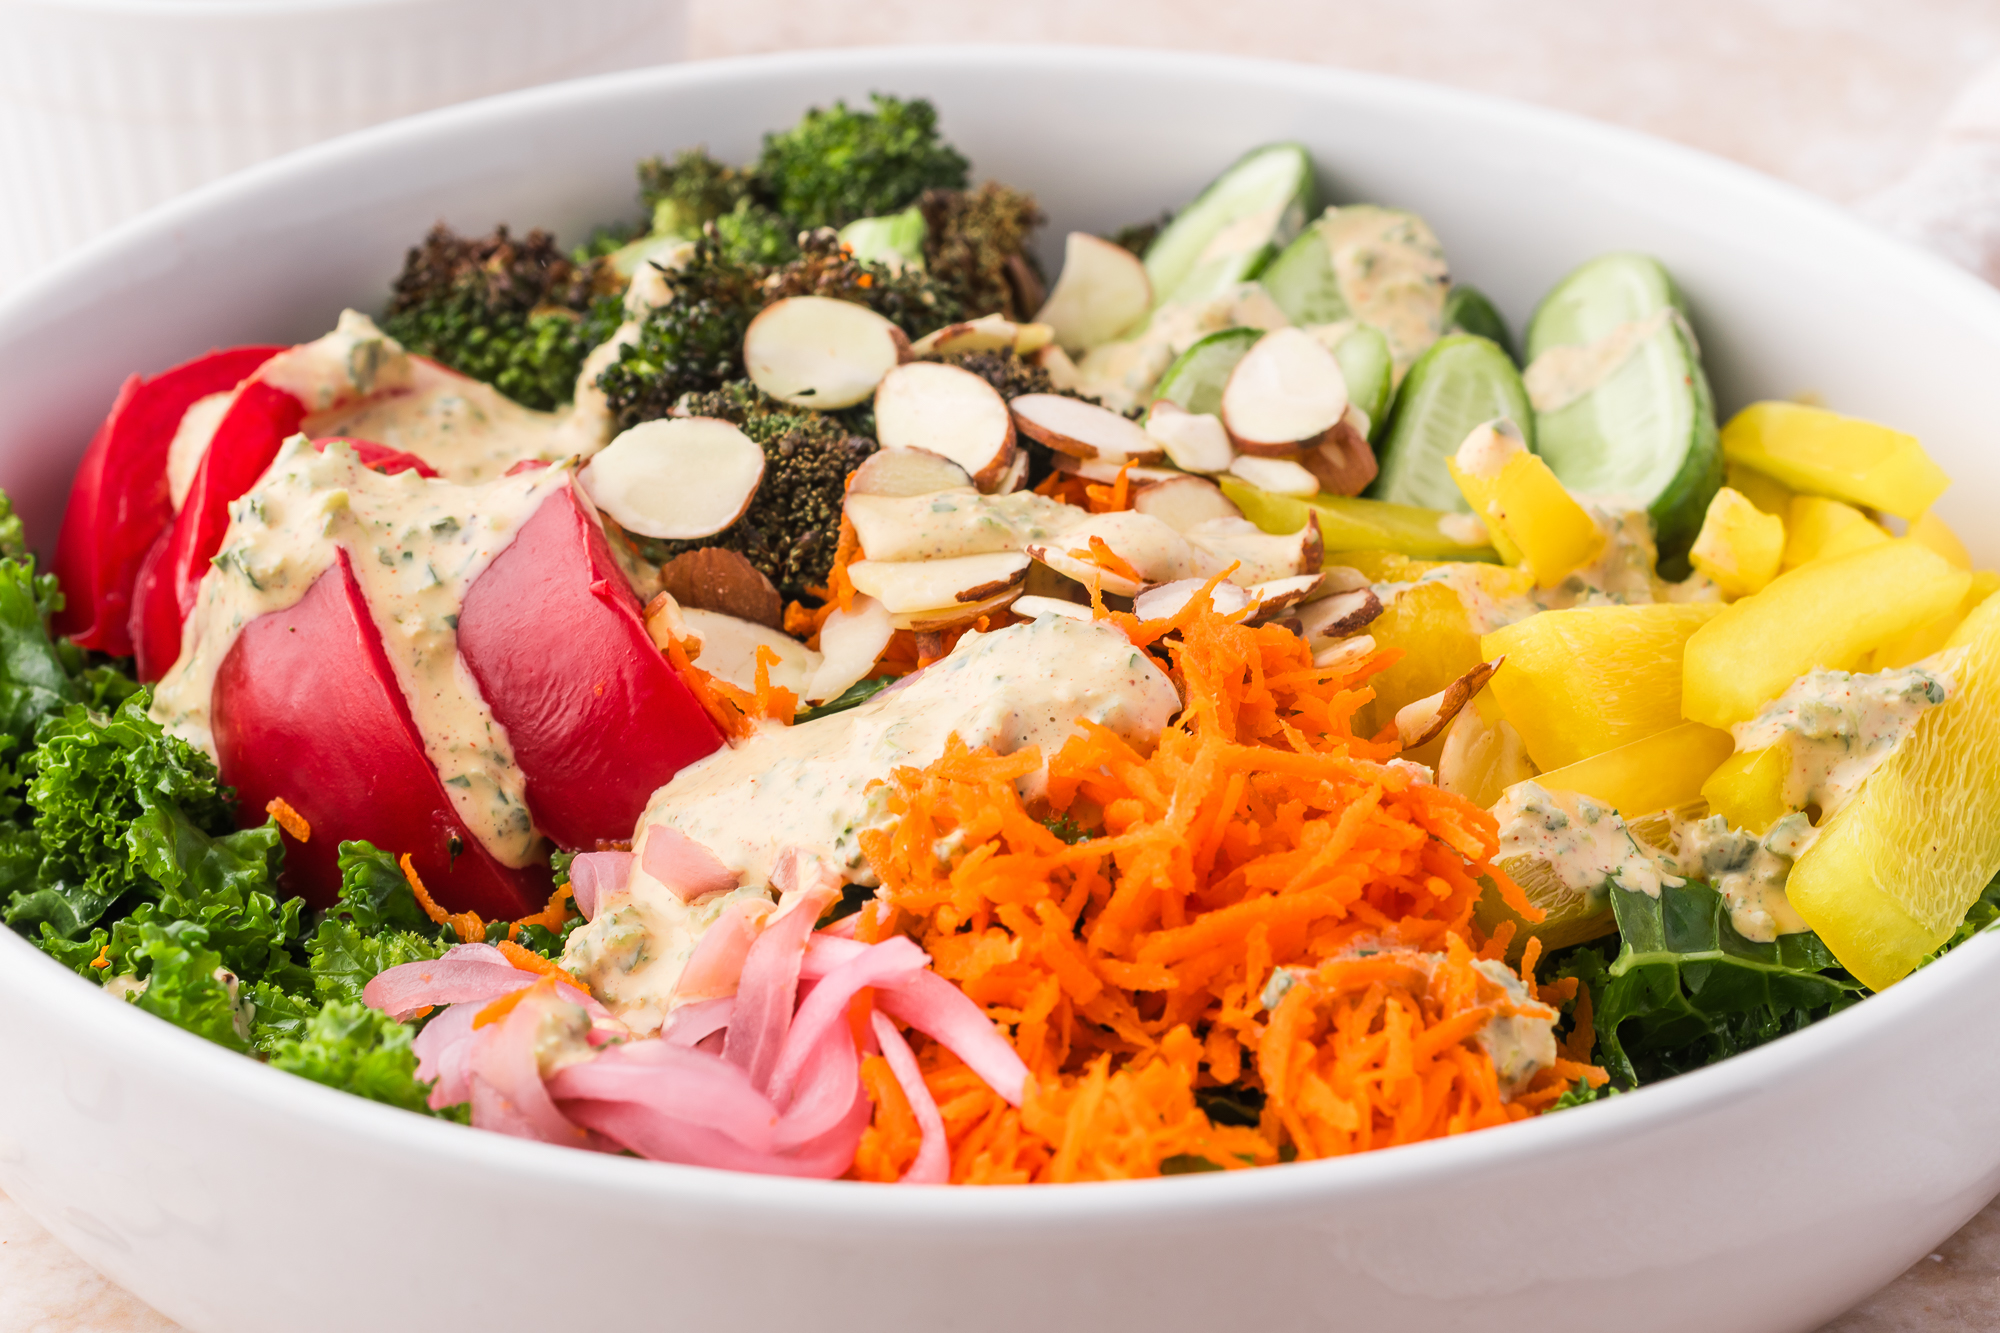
x=1370, y=371
x=1467, y=310
x=1459, y=383
x=1380, y=266
x=1644, y=430
x=1234, y=227
x=1349, y=523
x=1195, y=379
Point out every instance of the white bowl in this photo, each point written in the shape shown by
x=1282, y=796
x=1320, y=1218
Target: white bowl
x=108, y=107
x=1765, y=1193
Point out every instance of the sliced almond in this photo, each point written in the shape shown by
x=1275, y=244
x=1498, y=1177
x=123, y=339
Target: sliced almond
x=849, y=643
x=1034, y=608
x=1344, y=652
x=988, y=333
x=1419, y=722
x=1168, y=599
x=1277, y=476
x=944, y=524
x=1062, y=371
x=965, y=615
x=1016, y=476
x=677, y=478
x=665, y=625
x=1342, y=578
x=924, y=585
x=729, y=650
x=1182, y=502
x=1344, y=462
x=812, y=351
x=1105, y=471
x=1083, y=430
x=1195, y=441
x=1260, y=556
x=1278, y=596
x=1102, y=291
x=717, y=579
x=1338, y=616
x=906, y=472
x=949, y=411
x=1284, y=395
x=1131, y=551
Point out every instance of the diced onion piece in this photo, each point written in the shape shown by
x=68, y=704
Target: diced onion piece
x=923, y=585
x=951, y=412
x=849, y=643
x=1279, y=476
x=1284, y=395
x=729, y=650
x=1194, y=441
x=1083, y=430
x=677, y=478
x=812, y=351
x=1102, y=291
x=902, y=472
x=1182, y=502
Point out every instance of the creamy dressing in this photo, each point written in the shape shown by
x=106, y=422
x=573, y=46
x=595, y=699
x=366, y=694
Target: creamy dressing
x=467, y=430
x=340, y=368
x=956, y=522
x=1749, y=872
x=1392, y=274
x=1122, y=374
x=415, y=547
x=1585, y=845
x=1839, y=727
x=1562, y=375
x=190, y=442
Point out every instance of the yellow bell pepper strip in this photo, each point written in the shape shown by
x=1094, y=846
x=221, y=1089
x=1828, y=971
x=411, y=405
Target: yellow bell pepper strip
x=1824, y=453
x=1659, y=772
x=1817, y=528
x=1748, y=789
x=1740, y=546
x=1534, y=522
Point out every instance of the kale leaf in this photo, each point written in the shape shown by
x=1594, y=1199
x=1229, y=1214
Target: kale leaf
x=349, y=1046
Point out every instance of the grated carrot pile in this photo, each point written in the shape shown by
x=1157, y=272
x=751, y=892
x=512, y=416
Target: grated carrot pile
x=1130, y=967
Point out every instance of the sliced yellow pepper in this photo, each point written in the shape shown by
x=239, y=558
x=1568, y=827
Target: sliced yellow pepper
x=1934, y=532
x=1739, y=545
x=1824, y=453
x=1818, y=528
x=1769, y=495
x=1660, y=772
x=1534, y=522
x=1932, y=635
x=1748, y=789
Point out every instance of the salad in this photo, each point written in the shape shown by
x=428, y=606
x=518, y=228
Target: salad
x=785, y=686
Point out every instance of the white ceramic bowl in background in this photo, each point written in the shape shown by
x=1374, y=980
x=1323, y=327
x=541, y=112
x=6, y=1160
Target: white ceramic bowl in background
x=108, y=107
x=1765, y=1193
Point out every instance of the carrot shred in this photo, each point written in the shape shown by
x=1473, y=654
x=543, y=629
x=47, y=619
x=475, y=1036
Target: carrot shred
x=552, y=916
x=527, y=960
x=1108, y=560
x=726, y=706
x=1259, y=844
x=774, y=702
x=290, y=820
x=1113, y=498
x=840, y=588
x=103, y=959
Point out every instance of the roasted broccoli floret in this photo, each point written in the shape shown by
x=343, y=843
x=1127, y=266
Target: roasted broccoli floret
x=517, y=313
x=793, y=524
x=976, y=247
x=838, y=165
x=690, y=192
x=911, y=299
x=691, y=344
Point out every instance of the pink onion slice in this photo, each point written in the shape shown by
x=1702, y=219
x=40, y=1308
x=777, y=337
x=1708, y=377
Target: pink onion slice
x=828, y=1084
x=689, y=1024
x=943, y=1012
x=508, y=1096
x=677, y=1083
x=890, y=963
x=933, y=1164
x=825, y=952
x=442, y=1050
x=769, y=985
x=466, y=972
x=595, y=876
x=717, y=962
x=684, y=865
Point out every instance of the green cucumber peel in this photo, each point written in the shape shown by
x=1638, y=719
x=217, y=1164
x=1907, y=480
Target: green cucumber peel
x=1234, y=227
x=1194, y=381
x=1461, y=382
x=1466, y=310
x=1370, y=372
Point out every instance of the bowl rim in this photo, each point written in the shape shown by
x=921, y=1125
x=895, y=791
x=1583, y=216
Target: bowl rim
x=140, y=1039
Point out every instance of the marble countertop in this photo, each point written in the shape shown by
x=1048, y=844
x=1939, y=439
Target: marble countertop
x=1838, y=96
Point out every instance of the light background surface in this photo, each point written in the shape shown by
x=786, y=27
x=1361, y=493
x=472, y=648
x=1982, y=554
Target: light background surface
x=1837, y=96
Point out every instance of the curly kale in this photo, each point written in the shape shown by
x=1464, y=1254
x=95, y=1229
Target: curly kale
x=793, y=525
x=841, y=164
x=516, y=313
x=976, y=247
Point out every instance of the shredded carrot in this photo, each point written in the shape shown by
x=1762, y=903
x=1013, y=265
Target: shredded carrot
x=554, y=914
x=1113, y=498
x=1066, y=487
x=498, y=1010
x=840, y=588
x=773, y=702
x=1259, y=842
x=1108, y=560
x=892, y=1139
x=468, y=924
x=527, y=960
x=730, y=719
x=103, y=959
x=290, y=820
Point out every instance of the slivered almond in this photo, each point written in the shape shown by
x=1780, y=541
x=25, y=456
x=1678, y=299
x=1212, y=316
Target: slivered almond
x=1344, y=652
x=988, y=333
x=1284, y=395
x=941, y=620
x=951, y=412
x=678, y=478
x=812, y=351
x=1034, y=608
x=1167, y=599
x=925, y=585
x=1062, y=371
x=1015, y=477
x=1142, y=550
x=1102, y=291
x=716, y=579
x=729, y=650
x=1277, y=476
x=1419, y=722
x=1104, y=471
x=903, y=472
x=849, y=643
x=1261, y=556
x=1082, y=430
x=1338, y=616
x=666, y=625
x=1344, y=462
x=1343, y=578
x=1195, y=441
x=1281, y=595
x=1181, y=502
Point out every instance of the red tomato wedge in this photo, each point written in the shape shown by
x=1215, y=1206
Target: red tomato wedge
x=597, y=718
x=119, y=504
x=307, y=707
